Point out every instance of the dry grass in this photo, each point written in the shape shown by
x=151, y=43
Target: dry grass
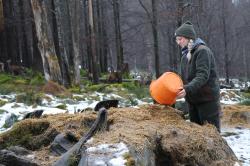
x=55, y=89
x=231, y=115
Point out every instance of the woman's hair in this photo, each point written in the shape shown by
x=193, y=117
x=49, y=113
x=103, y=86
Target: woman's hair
x=190, y=47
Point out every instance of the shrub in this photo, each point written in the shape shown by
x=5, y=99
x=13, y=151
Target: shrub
x=83, y=73
x=37, y=80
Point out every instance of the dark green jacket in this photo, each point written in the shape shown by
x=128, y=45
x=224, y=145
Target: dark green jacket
x=200, y=76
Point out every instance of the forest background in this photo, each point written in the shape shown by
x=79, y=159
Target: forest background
x=62, y=38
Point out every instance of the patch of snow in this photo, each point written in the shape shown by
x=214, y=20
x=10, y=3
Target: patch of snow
x=72, y=108
x=108, y=153
x=119, y=161
x=114, y=96
x=30, y=156
x=239, y=143
x=230, y=96
x=100, y=163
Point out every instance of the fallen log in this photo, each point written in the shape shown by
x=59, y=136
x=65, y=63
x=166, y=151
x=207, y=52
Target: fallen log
x=75, y=155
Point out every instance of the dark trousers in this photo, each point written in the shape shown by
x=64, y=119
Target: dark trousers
x=206, y=112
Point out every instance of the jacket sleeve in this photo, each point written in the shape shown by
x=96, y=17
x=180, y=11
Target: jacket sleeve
x=203, y=65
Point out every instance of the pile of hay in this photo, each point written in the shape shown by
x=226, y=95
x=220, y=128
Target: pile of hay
x=162, y=132
x=155, y=135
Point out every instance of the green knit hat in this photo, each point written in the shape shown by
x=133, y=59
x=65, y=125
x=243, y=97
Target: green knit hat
x=186, y=30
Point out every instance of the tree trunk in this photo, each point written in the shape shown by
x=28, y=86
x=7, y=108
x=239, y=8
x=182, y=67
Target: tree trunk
x=45, y=42
x=75, y=23
x=19, y=36
x=93, y=43
x=155, y=36
x=226, y=56
x=28, y=58
x=99, y=36
x=11, y=31
x=1, y=16
x=87, y=38
x=177, y=50
x=105, y=46
x=64, y=40
x=118, y=37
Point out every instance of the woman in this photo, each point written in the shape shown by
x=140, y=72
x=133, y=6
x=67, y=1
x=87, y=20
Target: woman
x=198, y=71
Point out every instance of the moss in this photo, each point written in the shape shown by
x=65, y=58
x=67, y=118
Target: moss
x=2, y=102
x=228, y=134
x=139, y=91
x=96, y=98
x=130, y=160
x=75, y=89
x=10, y=84
x=37, y=80
x=30, y=98
x=5, y=78
x=86, y=82
x=79, y=98
x=245, y=102
x=62, y=106
x=7, y=88
x=83, y=73
x=22, y=132
x=246, y=95
x=74, y=159
x=2, y=111
x=20, y=81
x=98, y=88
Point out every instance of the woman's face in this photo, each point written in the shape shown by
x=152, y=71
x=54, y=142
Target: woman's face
x=181, y=41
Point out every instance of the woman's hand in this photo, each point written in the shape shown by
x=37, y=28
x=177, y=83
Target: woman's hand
x=181, y=93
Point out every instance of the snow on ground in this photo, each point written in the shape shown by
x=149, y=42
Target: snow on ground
x=49, y=106
x=239, y=141
x=107, y=154
x=230, y=96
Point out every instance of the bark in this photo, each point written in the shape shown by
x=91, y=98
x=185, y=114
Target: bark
x=93, y=43
x=64, y=40
x=155, y=37
x=99, y=36
x=118, y=37
x=75, y=30
x=11, y=32
x=45, y=42
x=19, y=36
x=1, y=16
x=28, y=38
x=105, y=45
x=177, y=50
x=87, y=37
x=225, y=41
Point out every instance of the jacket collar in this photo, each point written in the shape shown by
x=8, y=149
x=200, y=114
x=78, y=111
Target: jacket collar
x=197, y=43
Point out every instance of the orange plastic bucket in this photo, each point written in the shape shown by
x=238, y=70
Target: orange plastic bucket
x=165, y=89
